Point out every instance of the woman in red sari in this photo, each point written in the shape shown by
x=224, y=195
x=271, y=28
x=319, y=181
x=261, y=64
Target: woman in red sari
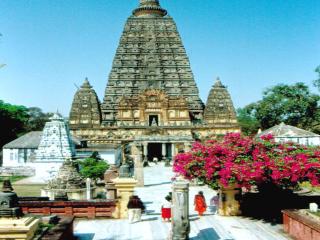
x=200, y=203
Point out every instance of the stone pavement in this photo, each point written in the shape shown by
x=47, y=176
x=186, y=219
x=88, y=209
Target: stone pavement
x=209, y=227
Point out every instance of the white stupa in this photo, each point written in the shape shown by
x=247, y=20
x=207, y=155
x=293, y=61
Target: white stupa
x=56, y=144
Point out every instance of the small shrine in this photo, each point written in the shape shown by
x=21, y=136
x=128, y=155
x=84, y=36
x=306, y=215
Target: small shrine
x=13, y=225
x=68, y=184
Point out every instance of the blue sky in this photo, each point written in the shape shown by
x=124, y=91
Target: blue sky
x=50, y=45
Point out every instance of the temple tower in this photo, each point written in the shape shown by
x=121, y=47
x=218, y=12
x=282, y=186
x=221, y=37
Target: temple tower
x=151, y=97
x=85, y=111
x=150, y=55
x=219, y=108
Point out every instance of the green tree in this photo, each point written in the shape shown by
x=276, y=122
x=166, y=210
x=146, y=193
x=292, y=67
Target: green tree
x=292, y=104
x=93, y=167
x=316, y=82
x=37, y=119
x=13, y=120
x=247, y=121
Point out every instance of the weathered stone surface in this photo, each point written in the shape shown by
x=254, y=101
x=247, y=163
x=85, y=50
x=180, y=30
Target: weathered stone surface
x=219, y=108
x=67, y=184
x=85, y=110
x=9, y=206
x=151, y=92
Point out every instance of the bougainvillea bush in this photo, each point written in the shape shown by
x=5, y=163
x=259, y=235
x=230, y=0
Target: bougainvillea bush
x=246, y=162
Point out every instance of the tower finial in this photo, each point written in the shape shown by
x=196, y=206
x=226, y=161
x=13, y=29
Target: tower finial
x=149, y=8
x=218, y=83
x=86, y=83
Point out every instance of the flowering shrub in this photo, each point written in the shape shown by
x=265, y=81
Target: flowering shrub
x=247, y=162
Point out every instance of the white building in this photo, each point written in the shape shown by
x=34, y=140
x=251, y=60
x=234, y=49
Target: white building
x=287, y=133
x=44, y=151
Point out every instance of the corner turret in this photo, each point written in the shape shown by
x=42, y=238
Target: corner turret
x=219, y=108
x=85, y=111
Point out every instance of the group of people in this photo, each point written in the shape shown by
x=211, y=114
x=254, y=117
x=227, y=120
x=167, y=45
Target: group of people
x=136, y=206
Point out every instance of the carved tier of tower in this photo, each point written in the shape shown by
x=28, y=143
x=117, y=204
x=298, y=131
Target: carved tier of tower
x=219, y=108
x=150, y=56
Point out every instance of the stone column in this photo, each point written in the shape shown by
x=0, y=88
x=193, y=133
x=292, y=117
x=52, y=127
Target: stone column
x=138, y=164
x=145, y=151
x=173, y=151
x=180, y=226
x=125, y=189
x=145, y=154
x=88, y=188
x=228, y=201
x=187, y=147
x=164, y=152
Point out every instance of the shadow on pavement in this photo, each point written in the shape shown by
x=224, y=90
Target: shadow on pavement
x=157, y=184
x=84, y=236
x=207, y=233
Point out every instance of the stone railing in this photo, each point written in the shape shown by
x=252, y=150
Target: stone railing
x=87, y=209
x=300, y=226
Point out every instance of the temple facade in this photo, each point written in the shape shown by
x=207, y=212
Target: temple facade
x=151, y=97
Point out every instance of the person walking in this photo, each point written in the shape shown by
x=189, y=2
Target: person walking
x=200, y=203
x=214, y=204
x=135, y=207
x=166, y=209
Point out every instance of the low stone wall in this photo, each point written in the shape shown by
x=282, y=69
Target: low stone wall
x=300, y=226
x=87, y=209
x=17, y=171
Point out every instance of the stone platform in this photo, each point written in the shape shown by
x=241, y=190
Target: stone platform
x=18, y=229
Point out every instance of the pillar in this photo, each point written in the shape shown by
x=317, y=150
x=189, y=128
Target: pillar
x=180, y=225
x=163, y=152
x=88, y=188
x=173, y=152
x=145, y=151
x=125, y=189
x=228, y=201
x=138, y=164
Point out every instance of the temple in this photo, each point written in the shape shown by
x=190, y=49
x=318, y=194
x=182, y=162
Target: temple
x=151, y=97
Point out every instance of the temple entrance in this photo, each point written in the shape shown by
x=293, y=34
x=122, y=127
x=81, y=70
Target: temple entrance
x=154, y=150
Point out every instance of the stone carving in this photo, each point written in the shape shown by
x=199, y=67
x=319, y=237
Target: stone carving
x=150, y=82
x=9, y=206
x=68, y=177
x=219, y=107
x=85, y=111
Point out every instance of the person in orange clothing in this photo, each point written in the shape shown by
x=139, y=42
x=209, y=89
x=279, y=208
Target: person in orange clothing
x=200, y=203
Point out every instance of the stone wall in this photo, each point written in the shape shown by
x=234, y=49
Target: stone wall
x=300, y=226
x=87, y=209
x=17, y=171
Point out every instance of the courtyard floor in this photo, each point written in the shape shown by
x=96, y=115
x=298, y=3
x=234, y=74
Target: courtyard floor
x=209, y=227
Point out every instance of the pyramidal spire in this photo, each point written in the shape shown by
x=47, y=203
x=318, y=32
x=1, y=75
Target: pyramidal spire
x=149, y=8
x=218, y=83
x=219, y=108
x=86, y=83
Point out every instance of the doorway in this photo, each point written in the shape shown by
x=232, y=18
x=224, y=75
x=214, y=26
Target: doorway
x=154, y=150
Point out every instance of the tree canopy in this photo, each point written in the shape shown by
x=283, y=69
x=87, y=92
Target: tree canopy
x=292, y=104
x=93, y=167
x=316, y=82
x=16, y=120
